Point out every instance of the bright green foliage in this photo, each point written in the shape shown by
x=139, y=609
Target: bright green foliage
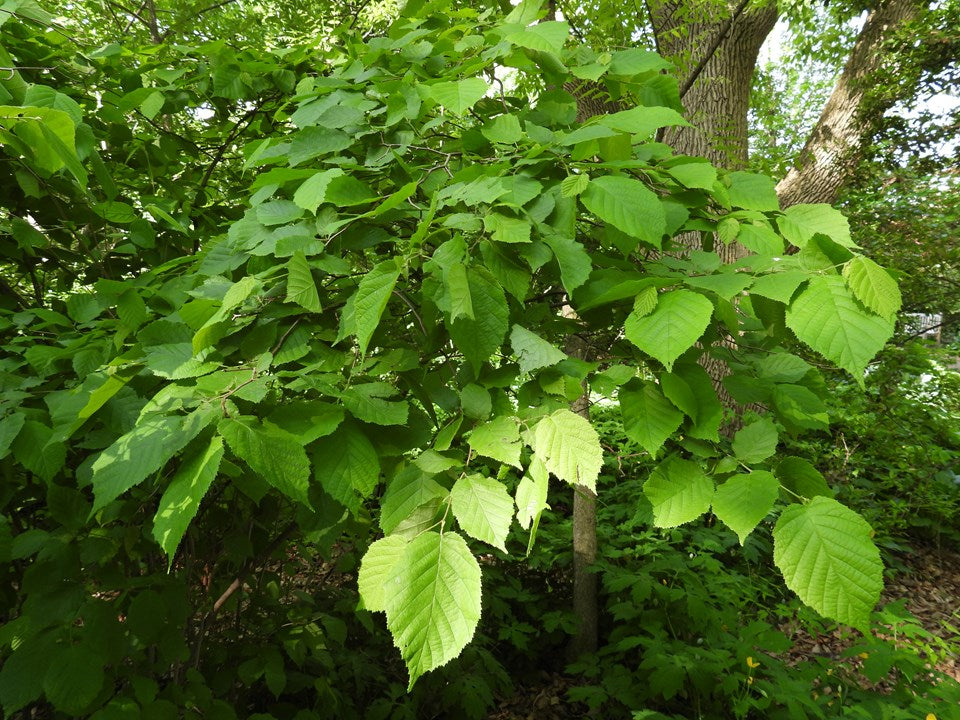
x=483, y=508
x=826, y=317
x=755, y=442
x=433, y=601
x=873, y=286
x=680, y=318
x=827, y=557
x=679, y=492
x=181, y=499
x=357, y=270
x=569, y=448
x=744, y=500
x=376, y=569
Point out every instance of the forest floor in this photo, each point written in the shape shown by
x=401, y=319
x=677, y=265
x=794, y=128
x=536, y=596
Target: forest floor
x=928, y=584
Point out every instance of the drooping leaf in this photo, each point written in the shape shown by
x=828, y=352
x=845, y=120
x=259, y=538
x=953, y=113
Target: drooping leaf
x=274, y=454
x=409, y=489
x=375, y=569
x=301, y=288
x=363, y=311
x=458, y=288
x=679, y=492
x=744, y=500
x=873, y=286
x=828, y=558
x=433, y=601
x=648, y=417
x=573, y=259
x=313, y=191
x=801, y=478
x=503, y=129
x=531, y=495
x=142, y=451
x=483, y=508
x=181, y=499
x=368, y=402
x=826, y=317
x=569, y=448
x=678, y=321
x=9, y=429
x=479, y=338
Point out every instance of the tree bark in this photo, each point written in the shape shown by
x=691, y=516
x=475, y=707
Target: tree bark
x=833, y=148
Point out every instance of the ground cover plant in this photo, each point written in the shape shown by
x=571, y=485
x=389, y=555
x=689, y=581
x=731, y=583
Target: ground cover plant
x=299, y=349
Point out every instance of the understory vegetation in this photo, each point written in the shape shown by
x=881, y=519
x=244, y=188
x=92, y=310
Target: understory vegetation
x=316, y=352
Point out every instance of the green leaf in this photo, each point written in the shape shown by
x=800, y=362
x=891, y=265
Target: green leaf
x=635, y=61
x=799, y=407
x=628, y=205
x=756, y=442
x=679, y=492
x=73, y=679
x=800, y=223
x=694, y=175
x=181, y=499
x=760, y=239
x=574, y=184
x=141, y=452
x=532, y=495
x=574, y=262
x=274, y=454
x=9, y=429
x=498, y=439
x=22, y=673
x=458, y=288
x=152, y=104
x=648, y=417
x=503, y=129
x=744, y=500
x=479, y=338
x=475, y=401
x=458, y=96
x=828, y=558
x=569, y=448
x=505, y=229
x=548, y=36
x=313, y=191
x=644, y=121
x=363, y=311
x=532, y=351
x=801, y=478
x=752, y=192
x=278, y=212
x=347, y=191
x=367, y=402
x=873, y=286
x=347, y=466
x=483, y=508
x=680, y=318
x=410, y=489
x=433, y=601
x=301, y=288
x=827, y=318
x=375, y=569
x=779, y=286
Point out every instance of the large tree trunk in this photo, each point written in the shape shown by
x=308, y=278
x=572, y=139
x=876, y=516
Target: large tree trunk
x=833, y=148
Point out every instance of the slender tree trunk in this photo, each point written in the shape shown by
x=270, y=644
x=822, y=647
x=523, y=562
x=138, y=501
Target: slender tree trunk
x=833, y=149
